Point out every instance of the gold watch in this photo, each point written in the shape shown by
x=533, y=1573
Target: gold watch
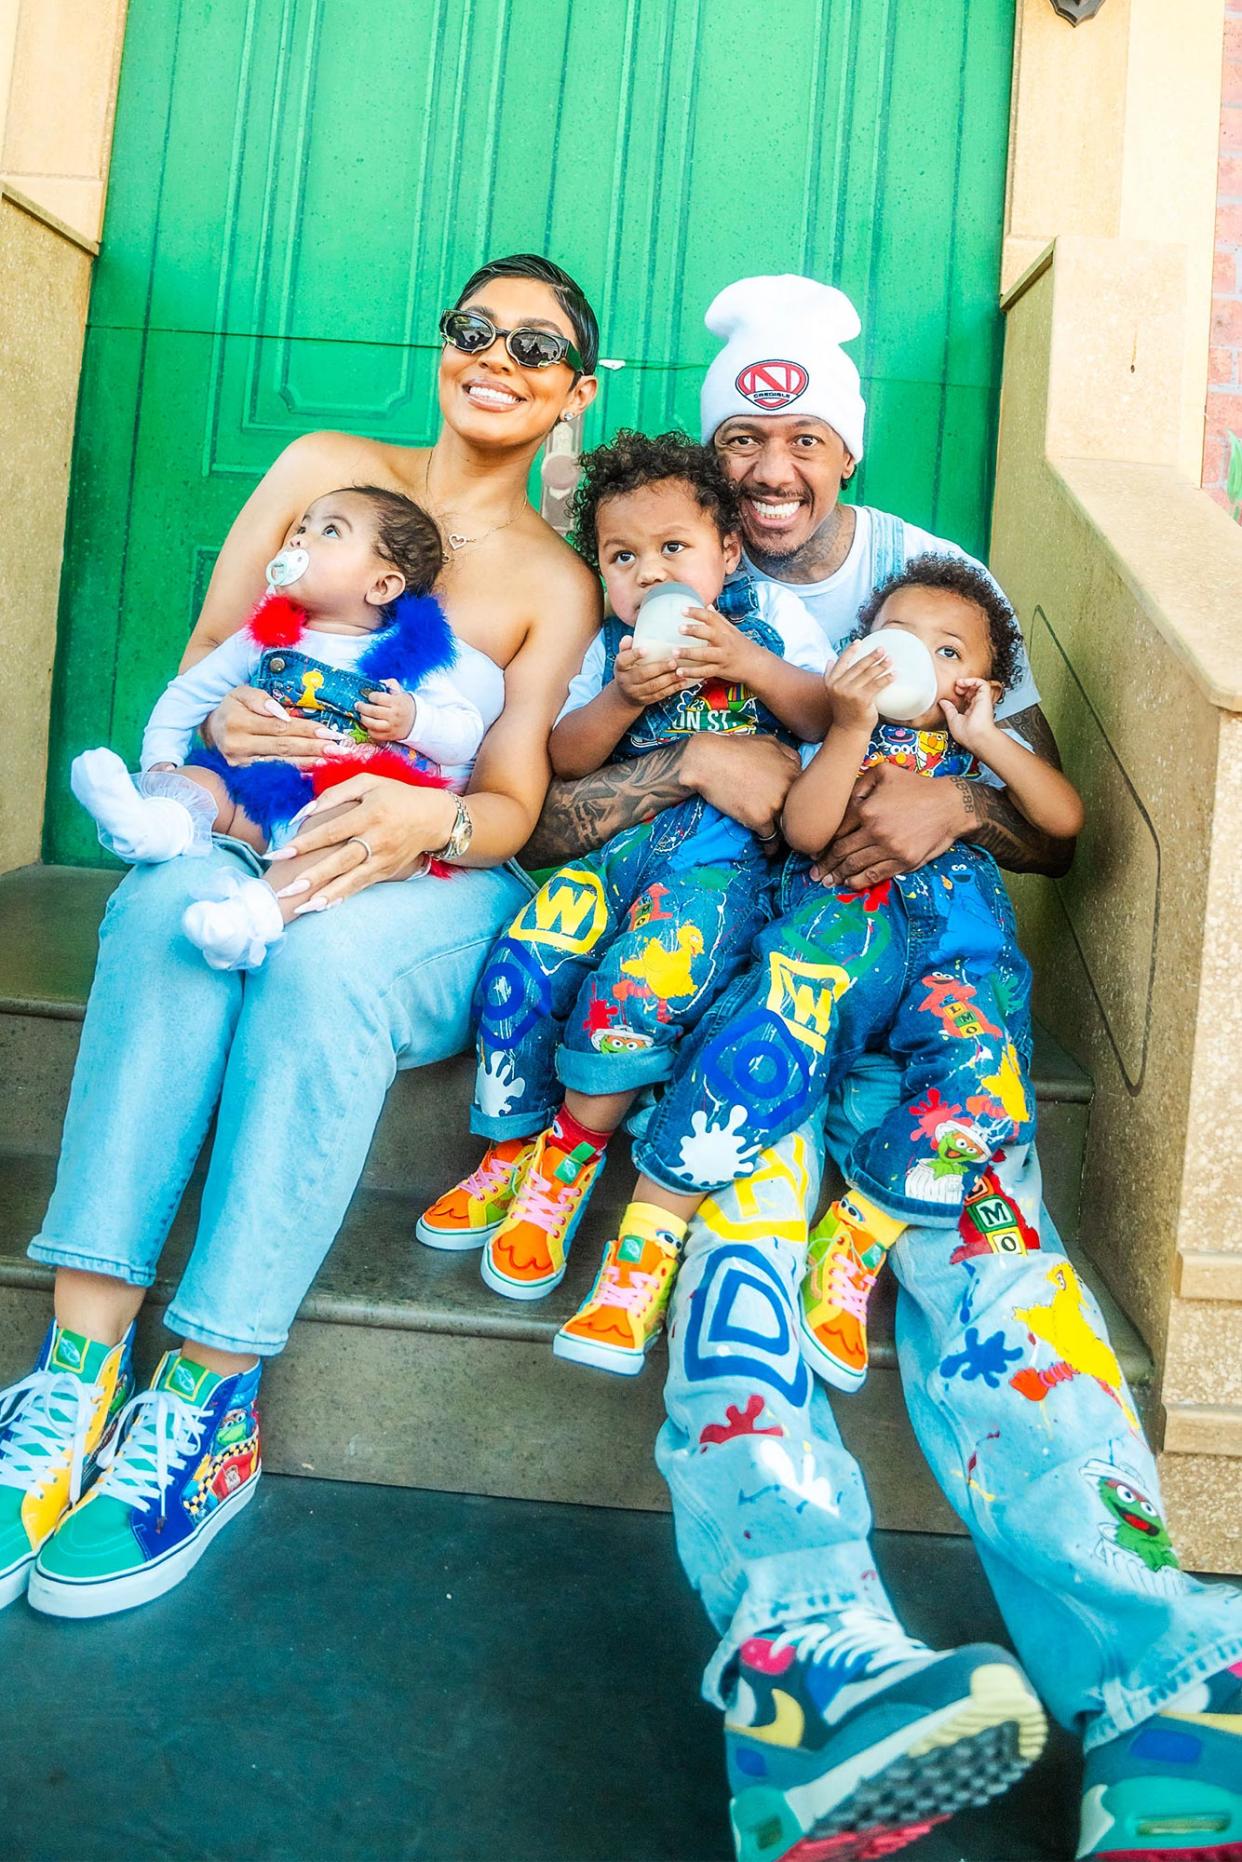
x=460, y=837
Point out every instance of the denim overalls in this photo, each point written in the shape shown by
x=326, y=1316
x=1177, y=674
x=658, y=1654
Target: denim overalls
x=600, y=975
x=925, y=967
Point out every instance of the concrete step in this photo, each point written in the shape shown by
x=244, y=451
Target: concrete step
x=49, y=919
x=403, y=1367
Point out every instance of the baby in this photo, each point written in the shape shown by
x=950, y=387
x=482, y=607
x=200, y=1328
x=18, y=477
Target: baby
x=365, y=652
x=925, y=967
x=618, y=954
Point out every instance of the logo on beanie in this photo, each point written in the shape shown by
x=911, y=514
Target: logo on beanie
x=772, y=384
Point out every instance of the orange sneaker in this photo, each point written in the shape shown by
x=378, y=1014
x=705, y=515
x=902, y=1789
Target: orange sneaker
x=845, y=1254
x=470, y=1213
x=623, y=1314
x=525, y=1256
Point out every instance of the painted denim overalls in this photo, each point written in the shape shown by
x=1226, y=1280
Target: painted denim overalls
x=618, y=954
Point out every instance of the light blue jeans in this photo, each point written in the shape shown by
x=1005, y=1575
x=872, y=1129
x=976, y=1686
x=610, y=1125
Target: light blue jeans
x=297, y=1056
x=1017, y=1403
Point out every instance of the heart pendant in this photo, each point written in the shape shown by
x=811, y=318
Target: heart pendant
x=457, y=541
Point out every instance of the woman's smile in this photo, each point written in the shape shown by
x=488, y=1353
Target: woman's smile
x=491, y=394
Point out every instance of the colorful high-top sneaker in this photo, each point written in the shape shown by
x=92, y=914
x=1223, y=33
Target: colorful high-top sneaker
x=525, y=1257
x=846, y=1740
x=470, y=1213
x=183, y=1462
x=623, y=1314
x=53, y=1425
x=846, y=1253
x=1173, y=1785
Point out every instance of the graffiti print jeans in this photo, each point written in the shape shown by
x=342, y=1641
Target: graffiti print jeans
x=925, y=967
x=602, y=973
x=1017, y=1401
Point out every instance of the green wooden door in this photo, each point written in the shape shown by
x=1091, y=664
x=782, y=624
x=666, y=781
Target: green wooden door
x=298, y=186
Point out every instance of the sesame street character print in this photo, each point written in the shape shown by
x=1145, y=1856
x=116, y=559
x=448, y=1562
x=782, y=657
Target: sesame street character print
x=927, y=753
x=233, y=1461
x=950, y=1000
x=959, y=1146
x=1064, y=1323
x=1133, y=1536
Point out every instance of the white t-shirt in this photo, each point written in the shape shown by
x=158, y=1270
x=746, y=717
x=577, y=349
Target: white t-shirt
x=835, y=602
x=802, y=640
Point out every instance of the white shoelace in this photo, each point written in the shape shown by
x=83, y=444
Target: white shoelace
x=856, y=1630
x=48, y=1415
x=140, y=1460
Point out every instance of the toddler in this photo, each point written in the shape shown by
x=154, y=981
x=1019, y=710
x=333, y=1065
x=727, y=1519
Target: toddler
x=618, y=954
x=925, y=966
x=365, y=652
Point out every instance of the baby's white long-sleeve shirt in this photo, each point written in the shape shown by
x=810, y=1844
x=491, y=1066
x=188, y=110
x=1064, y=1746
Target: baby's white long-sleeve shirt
x=448, y=727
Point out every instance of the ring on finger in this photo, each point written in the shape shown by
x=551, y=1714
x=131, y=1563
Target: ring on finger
x=368, y=850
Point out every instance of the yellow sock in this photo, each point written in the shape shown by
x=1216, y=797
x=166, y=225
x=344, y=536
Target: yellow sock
x=871, y=1227
x=646, y=1221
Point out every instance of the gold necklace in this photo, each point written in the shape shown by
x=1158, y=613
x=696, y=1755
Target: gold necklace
x=455, y=538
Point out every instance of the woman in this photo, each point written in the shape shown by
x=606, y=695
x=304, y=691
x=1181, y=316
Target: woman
x=298, y=1056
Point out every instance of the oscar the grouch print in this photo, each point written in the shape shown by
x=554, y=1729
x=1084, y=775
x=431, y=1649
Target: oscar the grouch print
x=1134, y=1524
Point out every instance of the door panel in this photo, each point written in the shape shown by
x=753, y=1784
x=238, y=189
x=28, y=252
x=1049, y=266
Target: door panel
x=299, y=186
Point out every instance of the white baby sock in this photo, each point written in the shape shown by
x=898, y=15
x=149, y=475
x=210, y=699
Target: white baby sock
x=236, y=932
x=138, y=828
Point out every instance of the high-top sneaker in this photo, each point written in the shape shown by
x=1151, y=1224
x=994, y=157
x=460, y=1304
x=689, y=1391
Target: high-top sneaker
x=183, y=1462
x=1172, y=1786
x=53, y=1425
x=846, y=1740
x=526, y=1256
x=623, y=1314
x=470, y=1213
x=846, y=1253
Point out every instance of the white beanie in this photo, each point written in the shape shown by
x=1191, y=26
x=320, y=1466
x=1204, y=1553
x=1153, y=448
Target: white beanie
x=783, y=354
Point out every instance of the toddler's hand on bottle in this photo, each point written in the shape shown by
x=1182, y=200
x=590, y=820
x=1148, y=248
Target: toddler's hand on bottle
x=645, y=678
x=854, y=683
x=713, y=648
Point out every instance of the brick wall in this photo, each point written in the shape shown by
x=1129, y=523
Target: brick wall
x=1224, y=397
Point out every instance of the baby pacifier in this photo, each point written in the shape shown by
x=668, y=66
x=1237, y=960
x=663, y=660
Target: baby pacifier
x=286, y=567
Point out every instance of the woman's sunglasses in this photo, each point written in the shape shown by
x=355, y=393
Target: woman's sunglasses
x=531, y=349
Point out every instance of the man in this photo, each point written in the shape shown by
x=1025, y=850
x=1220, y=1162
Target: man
x=844, y=1737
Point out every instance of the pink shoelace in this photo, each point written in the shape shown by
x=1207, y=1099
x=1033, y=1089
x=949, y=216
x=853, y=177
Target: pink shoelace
x=490, y=1175
x=849, y=1284
x=541, y=1203
x=631, y=1298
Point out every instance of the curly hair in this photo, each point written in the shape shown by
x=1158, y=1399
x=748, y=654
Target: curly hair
x=957, y=576
x=631, y=460
x=405, y=535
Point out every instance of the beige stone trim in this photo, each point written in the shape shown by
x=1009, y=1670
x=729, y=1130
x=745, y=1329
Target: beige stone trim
x=59, y=66
x=1180, y=556
x=1202, y=1429
x=1200, y=1276
x=38, y=212
x=1113, y=134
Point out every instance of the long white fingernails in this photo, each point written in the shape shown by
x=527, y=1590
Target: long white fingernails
x=312, y=905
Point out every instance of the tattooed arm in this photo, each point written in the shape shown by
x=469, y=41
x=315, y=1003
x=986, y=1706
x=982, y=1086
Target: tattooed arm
x=745, y=777
x=893, y=826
